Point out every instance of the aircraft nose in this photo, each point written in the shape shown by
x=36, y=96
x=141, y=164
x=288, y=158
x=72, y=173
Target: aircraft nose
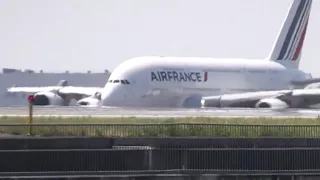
x=110, y=98
x=106, y=98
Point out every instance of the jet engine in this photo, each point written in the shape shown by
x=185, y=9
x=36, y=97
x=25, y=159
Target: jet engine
x=90, y=101
x=48, y=98
x=272, y=103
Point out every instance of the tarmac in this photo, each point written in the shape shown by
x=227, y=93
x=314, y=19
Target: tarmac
x=158, y=112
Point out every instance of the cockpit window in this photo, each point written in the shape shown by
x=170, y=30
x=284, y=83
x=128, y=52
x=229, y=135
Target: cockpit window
x=123, y=81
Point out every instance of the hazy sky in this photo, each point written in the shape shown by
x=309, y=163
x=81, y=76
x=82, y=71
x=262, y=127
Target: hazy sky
x=80, y=35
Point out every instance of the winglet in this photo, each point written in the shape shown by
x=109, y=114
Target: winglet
x=63, y=83
x=14, y=85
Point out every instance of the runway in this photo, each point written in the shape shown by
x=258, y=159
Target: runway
x=158, y=113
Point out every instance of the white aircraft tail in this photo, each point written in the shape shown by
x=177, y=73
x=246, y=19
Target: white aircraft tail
x=288, y=46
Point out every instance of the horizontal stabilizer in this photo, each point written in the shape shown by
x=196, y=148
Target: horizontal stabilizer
x=305, y=82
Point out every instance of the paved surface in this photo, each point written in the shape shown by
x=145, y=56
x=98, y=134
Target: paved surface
x=158, y=113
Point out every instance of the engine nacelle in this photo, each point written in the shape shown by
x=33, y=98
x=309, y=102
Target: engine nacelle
x=48, y=98
x=272, y=103
x=89, y=101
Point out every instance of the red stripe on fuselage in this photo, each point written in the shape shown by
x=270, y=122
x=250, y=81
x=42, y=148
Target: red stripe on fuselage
x=205, y=76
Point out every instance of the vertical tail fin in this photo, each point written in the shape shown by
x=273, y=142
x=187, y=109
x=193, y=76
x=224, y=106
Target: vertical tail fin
x=288, y=46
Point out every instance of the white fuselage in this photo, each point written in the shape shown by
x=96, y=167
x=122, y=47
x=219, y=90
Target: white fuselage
x=181, y=82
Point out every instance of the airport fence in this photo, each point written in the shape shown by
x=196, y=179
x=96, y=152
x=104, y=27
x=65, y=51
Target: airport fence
x=162, y=130
x=152, y=158
x=143, y=160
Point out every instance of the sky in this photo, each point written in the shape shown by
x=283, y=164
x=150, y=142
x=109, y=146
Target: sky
x=82, y=35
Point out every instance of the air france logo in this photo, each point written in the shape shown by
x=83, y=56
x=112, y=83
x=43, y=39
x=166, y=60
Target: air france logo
x=179, y=76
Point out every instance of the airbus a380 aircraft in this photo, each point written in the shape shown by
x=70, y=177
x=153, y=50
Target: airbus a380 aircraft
x=186, y=81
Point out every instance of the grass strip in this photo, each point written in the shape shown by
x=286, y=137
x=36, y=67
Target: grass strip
x=163, y=127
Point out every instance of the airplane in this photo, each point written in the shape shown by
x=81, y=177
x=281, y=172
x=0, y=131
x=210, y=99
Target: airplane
x=153, y=81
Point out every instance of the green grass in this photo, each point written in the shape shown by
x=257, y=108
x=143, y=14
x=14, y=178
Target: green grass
x=134, y=120
x=164, y=127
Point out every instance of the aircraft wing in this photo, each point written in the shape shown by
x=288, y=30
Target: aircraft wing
x=32, y=89
x=84, y=91
x=71, y=91
x=297, y=98
x=305, y=97
x=247, y=99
